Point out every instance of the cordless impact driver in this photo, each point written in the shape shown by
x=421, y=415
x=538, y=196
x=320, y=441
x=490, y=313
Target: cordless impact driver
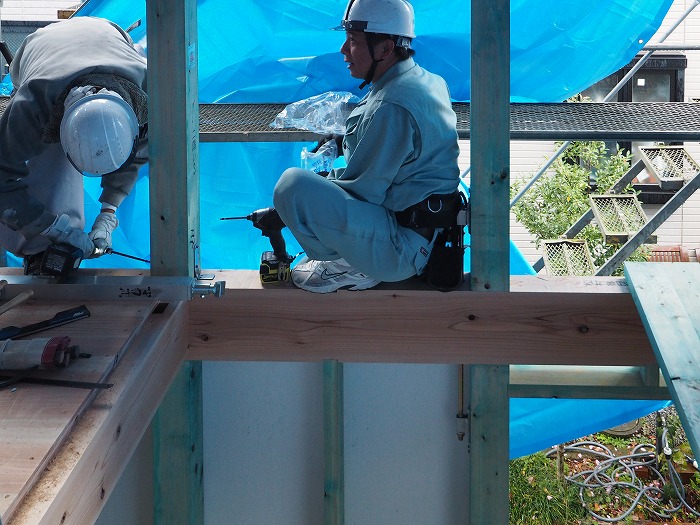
x=274, y=265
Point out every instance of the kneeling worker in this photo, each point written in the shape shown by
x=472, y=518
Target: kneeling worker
x=401, y=149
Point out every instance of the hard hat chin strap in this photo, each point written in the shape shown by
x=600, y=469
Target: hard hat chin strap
x=370, y=74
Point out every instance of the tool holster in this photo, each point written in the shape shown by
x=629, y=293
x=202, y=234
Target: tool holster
x=450, y=214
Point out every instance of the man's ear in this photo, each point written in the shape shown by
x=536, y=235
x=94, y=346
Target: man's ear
x=387, y=48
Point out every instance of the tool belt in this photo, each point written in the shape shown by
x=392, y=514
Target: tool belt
x=436, y=211
x=449, y=213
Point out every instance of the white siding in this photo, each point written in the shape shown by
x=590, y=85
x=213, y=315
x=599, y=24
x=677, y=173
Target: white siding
x=34, y=10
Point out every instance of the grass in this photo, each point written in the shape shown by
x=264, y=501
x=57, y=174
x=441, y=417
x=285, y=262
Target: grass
x=539, y=494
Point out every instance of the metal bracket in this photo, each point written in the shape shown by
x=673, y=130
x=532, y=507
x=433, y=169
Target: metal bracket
x=197, y=270
x=203, y=289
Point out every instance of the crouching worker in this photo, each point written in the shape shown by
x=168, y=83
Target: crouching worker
x=401, y=149
x=78, y=107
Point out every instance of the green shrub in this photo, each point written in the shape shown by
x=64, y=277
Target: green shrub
x=559, y=197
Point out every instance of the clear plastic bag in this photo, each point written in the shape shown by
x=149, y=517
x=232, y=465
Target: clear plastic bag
x=324, y=114
x=322, y=160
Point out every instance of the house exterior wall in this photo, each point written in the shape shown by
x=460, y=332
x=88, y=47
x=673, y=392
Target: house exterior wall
x=34, y=10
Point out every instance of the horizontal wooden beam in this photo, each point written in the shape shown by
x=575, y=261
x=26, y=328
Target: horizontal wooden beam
x=541, y=321
x=584, y=382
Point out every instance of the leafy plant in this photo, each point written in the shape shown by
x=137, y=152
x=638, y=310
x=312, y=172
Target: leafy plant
x=616, y=442
x=559, y=198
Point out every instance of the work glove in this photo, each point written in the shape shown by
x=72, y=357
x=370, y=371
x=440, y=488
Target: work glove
x=62, y=232
x=101, y=233
x=338, y=142
x=323, y=145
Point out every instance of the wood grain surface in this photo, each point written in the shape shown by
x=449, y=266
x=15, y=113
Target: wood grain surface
x=35, y=419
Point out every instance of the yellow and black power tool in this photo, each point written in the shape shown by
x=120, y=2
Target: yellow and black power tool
x=274, y=265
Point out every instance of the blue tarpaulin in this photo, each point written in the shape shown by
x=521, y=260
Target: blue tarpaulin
x=283, y=51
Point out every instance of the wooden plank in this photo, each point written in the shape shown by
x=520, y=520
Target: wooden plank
x=36, y=419
x=85, y=471
x=175, y=237
x=490, y=145
x=334, y=444
x=668, y=298
x=173, y=125
x=584, y=382
x=593, y=325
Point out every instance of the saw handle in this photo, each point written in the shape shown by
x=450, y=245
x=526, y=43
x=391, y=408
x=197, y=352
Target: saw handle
x=9, y=305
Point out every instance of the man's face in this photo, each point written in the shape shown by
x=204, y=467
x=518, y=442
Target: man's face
x=356, y=53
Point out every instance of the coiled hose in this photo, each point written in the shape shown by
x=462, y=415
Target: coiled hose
x=616, y=476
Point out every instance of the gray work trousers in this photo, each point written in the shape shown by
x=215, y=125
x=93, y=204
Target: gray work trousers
x=330, y=223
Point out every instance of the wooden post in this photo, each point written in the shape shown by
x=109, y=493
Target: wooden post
x=174, y=202
x=333, y=432
x=490, y=249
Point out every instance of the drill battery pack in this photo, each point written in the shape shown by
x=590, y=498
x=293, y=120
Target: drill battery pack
x=272, y=270
x=58, y=260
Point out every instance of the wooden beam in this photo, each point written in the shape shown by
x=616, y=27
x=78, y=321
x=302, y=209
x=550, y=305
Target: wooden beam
x=589, y=382
x=174, y=212
x=178, y=450
x=86, y=470
x=334, y=444
x=173, y=140
x=63, y=14
x=543, y=321
x=490, y=145
x=489, y=418
x=490, y=252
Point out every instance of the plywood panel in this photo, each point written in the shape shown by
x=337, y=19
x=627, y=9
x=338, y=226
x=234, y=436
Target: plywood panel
x=35, y=419
x=668, y=298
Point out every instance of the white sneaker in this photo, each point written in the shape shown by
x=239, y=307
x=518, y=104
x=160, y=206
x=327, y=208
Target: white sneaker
x=329, y=276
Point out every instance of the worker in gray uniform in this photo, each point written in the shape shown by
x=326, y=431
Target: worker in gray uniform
x=401, y=149
x=78, y=108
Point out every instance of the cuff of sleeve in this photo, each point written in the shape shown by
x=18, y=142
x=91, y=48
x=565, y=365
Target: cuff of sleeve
x=112, y=197
x=44, y=221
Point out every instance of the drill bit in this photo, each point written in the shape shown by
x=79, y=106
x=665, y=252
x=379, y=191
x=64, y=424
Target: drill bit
x=112, y=252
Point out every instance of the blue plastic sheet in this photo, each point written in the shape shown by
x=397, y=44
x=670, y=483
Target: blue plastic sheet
x=538, y=424
x=283, y=51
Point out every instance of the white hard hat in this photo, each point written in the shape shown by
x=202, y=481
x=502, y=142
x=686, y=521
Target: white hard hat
x=391, y=17
x=99, y=133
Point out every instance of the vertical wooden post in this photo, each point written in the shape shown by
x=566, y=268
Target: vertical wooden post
x=174, y=202
x=490, y=251
x=333, y=433
x=173, y=123
x=177, y=451
x=490, y=145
